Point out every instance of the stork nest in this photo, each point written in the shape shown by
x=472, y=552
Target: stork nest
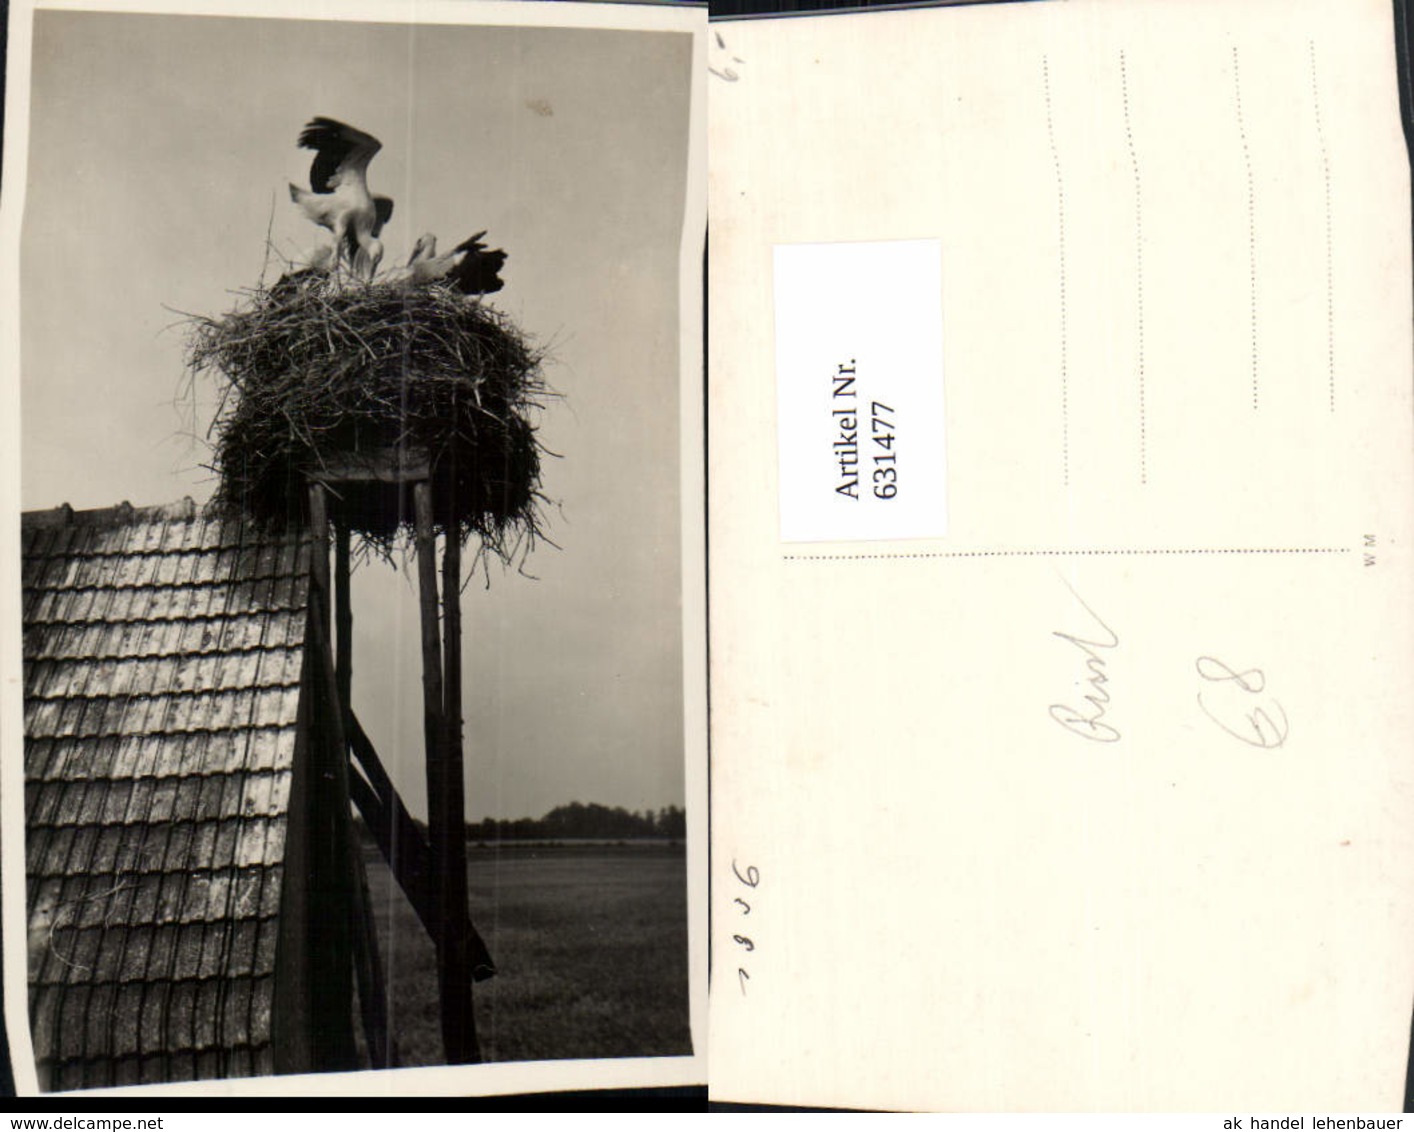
x=316, y=373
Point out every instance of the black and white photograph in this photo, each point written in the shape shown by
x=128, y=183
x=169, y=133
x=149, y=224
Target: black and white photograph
x=352, y=677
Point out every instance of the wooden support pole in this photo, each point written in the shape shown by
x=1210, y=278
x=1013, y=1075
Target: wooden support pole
x=445, y=805
x=319, y=549
x=328, y=882
x=452, y=650
x=454, y=875
x=368, y=965
x=343, y=621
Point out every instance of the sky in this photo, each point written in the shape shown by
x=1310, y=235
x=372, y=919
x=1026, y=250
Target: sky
x=160, y=149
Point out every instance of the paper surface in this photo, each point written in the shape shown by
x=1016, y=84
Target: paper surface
x=156, y=141
x=1100, y=801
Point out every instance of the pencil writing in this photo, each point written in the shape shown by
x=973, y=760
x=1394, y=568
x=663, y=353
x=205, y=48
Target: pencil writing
x=1089, y=722
x=1264, y=726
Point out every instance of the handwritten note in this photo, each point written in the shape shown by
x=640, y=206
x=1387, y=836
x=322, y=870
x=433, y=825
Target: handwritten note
x=743, y=945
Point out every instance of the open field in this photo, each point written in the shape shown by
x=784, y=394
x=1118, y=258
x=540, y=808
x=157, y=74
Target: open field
x=590, y=942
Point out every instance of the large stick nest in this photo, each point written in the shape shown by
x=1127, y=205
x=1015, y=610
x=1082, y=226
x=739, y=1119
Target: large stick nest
x=316, y=372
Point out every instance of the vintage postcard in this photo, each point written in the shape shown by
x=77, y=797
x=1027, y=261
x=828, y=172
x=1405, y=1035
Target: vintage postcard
x=1060, y=559
x=352, y=680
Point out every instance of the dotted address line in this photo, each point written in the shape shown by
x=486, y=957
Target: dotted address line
x=1098, y=553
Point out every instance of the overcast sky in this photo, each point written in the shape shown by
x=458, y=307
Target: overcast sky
x=160, y=148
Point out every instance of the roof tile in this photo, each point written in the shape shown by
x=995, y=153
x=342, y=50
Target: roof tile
x=206, y=843
x=241, y=959
x=127, y=1012
x=81, y=853
x=215, y=950
x=100, y=1024
x=267, y=946
x=162, y=805
x=162, y=959
x=147, y=898
x=171, y=891
x=172, y=1010
x=208, y=999
x=55, y=852
x=127, y=1071
x=254, y=843
x=98, y=958
x=179, y=1067
x=180, y=836
x=135, y=953
x=235, y=1014
x=107, y=854
x=44, y=1005
x=73, y=1012
x=152, y=1036
x=261, y=1000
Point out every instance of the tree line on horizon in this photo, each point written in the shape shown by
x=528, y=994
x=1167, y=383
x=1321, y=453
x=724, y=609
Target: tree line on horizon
x=581, y=820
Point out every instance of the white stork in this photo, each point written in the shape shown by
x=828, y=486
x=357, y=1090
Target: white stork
x=469, y=267
x=339, y=198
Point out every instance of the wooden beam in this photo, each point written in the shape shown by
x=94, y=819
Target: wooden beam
x=404, y=847
x=338, y=888
x=322, y=825
x=368, y=966
x=343, y=621
x=319, y=548
x=386, y=465
x=453, y=870
x=452, y=691
x=446, y=822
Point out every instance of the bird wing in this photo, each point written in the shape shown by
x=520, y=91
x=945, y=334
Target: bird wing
x=340, y=152
x=384, y=205
x=478, y=271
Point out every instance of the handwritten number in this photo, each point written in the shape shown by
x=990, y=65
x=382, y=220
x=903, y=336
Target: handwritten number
x=1263, y=728
x=751, y=878
x=1253, y=680
x=1266, y=732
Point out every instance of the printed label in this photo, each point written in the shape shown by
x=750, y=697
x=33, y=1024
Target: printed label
x=859, y=381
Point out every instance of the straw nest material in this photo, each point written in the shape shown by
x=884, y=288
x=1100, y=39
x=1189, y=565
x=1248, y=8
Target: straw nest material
x=317, y=372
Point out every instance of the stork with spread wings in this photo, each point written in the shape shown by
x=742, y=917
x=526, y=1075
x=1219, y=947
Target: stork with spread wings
x=338, y=197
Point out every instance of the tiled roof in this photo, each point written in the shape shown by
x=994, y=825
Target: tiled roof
x=163, y=654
